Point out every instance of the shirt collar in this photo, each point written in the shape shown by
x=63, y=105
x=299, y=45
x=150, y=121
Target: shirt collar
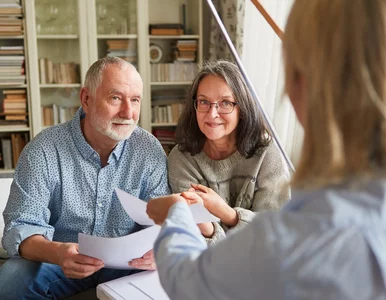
x=83, y=146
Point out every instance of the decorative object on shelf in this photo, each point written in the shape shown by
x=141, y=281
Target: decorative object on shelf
x=156, y=53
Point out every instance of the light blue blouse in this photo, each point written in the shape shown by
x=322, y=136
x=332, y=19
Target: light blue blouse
x=324, y=244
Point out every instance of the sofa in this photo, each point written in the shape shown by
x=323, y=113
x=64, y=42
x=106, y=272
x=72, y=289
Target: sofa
x=5, y=185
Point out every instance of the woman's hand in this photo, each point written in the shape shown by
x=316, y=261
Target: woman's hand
x=158, y=208
x=207, y=229
x=212, y=202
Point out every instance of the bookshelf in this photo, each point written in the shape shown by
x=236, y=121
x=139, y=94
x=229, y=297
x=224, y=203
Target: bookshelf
x=61, y=39
x=116, y=29
x=178, y=52
x=58, y=51
x=15, y=121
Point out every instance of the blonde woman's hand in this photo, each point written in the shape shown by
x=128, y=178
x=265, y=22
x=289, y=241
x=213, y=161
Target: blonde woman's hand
x=158, y=208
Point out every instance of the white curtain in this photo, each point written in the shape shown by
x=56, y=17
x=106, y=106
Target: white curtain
x=262, y=58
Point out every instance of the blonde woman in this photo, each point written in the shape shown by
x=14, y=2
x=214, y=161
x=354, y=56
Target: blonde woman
x=329, y=242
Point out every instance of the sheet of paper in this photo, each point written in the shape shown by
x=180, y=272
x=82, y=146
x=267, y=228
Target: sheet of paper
x=117, y=252
x=136, y=209
x=149, y=283
x=141, y=286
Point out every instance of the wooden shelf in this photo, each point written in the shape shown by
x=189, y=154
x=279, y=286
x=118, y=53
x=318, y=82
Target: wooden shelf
x=13, y=113
x=13, y=37
x=172, y=83
x=163, y=124
x=59, y=85
x=13, y=128
x=5, y=172
x=116, y=36
x=57, y=36
x=6, y=86
x=174, y=37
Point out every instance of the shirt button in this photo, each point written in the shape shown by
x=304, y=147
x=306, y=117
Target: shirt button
x=100, y=204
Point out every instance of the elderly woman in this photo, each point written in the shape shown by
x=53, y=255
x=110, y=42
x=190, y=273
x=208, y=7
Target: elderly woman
x=225, y=156
x=328, y=242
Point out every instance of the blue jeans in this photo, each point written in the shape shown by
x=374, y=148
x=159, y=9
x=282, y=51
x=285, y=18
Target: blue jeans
x=24, y=279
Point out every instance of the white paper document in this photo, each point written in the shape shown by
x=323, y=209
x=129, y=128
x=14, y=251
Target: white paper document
x=117, y=252
x=136, y=209
x=141, y=286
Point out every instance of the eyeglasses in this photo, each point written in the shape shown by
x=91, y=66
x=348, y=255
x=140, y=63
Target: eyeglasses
x=223, y=107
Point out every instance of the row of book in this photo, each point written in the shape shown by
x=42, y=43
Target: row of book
x=125, y=49
x=185, y=50
x=13, y=108
x=14, y=105
x=177, y=71
x=62, y=73
x=56, y=114
x=11, y=147
x=10, y=25
x=166, y=113
x=167, y=138
x=12, y=67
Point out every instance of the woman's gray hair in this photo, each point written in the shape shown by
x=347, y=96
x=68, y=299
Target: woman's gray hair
x=252, y=133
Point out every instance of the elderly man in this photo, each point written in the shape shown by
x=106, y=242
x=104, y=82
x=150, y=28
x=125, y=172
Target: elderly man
x=64, y=184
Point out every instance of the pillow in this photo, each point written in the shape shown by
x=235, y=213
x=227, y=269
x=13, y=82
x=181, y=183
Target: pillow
x=5, y=186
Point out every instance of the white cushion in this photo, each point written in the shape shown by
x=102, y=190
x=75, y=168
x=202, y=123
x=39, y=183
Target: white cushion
x=5, y=186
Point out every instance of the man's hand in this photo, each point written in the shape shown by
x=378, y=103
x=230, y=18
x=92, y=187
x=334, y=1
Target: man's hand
x=65, y=255
x=75, y=265
x=158, y=208
x=146, y=262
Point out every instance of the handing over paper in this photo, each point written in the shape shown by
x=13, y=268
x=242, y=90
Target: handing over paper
x=136, y=209
x=117, y=252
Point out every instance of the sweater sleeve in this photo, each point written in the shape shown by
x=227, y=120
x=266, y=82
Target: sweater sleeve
x=272, y=182
x=272, y=187
x=182, y=173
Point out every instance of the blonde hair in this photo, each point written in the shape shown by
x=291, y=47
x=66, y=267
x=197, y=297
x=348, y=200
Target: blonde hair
x=339, y=47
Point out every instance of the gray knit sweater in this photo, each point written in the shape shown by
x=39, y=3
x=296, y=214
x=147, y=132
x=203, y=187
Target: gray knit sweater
x=247, y=185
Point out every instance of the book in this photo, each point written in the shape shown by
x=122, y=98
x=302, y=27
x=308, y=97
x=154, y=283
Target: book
x=6, y=148
x=18, y=142
x=166, y=31
x=16, y=91
x=15, y=117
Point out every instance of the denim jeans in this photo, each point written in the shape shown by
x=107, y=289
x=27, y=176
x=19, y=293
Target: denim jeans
x=24, y=279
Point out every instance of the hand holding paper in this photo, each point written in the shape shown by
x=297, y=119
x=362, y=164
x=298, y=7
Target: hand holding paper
x=158, y=208
x=117, y=252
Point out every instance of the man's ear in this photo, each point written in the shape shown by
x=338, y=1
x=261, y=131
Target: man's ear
x=84, y=99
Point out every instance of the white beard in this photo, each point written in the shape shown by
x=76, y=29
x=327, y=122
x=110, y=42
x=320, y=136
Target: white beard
x=107, y=127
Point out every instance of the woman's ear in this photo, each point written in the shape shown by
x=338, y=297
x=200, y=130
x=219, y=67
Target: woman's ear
x=296, y=91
